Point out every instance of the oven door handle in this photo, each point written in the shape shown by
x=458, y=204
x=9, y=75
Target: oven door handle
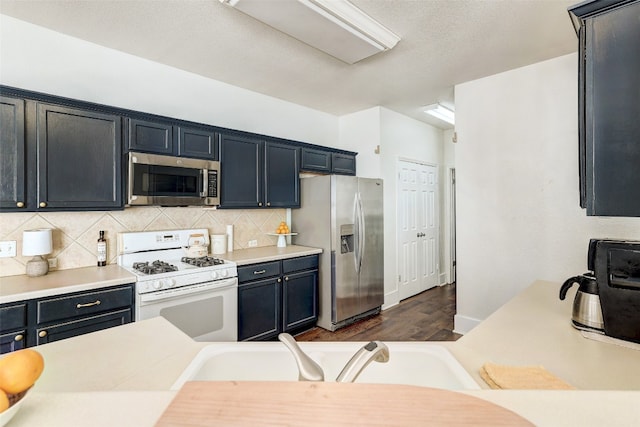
x=204, y=183
x=188, y=290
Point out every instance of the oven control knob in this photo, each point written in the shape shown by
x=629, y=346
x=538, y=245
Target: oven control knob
x=214, y=274
x=171, y=283
x=223, y=273
x=157, y=284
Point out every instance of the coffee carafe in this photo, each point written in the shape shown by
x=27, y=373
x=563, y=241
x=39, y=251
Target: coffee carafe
x=587, y=312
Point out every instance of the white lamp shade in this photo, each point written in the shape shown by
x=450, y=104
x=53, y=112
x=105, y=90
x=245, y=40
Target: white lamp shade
x=37, y=242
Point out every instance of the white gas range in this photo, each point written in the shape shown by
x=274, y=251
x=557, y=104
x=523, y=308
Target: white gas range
x=198, y=294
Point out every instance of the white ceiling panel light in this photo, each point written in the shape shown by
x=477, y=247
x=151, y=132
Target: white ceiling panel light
x=441, y=112
x=336, y=27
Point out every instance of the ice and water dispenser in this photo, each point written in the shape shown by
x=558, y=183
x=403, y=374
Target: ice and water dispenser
x=346, y=238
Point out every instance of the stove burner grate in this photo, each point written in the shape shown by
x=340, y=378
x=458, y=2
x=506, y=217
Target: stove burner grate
x=205, y=261
x=155, y=267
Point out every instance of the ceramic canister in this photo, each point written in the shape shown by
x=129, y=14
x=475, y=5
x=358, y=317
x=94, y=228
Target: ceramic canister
x=218, y=243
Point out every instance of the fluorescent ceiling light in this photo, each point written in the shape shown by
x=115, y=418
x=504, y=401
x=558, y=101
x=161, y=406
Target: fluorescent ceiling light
x=335, y=27
x=441, y=112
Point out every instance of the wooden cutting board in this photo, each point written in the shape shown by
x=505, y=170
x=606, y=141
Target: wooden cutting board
x=237, y=403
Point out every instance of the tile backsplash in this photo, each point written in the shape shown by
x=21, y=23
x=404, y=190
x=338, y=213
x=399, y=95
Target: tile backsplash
x=75, y=233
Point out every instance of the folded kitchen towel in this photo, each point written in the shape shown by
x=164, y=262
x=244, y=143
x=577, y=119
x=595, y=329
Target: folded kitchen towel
x=521, y=378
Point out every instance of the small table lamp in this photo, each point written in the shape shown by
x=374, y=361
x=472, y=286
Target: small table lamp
x=37, y=243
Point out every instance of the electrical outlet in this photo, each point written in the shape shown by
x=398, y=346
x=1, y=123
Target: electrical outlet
x=8, y=249
x=53, y=263
x=253, y=243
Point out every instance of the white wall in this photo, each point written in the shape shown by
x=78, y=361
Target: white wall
x=518, y=216
x=398, y=137
x=360, y=132
x=41, y=60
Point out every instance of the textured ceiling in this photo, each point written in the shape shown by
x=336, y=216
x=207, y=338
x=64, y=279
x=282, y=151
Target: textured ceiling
x=444, y=42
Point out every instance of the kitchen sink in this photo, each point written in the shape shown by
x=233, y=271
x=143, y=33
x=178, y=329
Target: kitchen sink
x=410, y=363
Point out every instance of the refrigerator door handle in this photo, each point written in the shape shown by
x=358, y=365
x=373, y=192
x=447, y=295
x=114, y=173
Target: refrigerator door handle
x=356, y=233
x=359, y=232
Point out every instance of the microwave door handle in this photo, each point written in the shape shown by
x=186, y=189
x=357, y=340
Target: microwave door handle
x=203, y=183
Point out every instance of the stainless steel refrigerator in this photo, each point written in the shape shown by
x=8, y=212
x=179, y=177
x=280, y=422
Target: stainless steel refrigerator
x=343, y=215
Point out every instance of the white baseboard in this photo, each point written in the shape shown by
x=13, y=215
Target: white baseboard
x=463, y=324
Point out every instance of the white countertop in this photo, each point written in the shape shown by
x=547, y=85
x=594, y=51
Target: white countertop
x=22, y=287
x=18, y=288
x=534, y=328
x=121, y=376
x=268, y=253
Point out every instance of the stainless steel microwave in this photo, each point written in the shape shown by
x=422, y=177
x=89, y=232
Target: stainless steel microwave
x=172, y=181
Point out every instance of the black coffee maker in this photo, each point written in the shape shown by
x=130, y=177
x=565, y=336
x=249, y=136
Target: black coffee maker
x=617, y=272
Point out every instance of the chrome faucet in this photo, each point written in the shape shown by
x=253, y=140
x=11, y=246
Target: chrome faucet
x=309, y=370
x=373, y=351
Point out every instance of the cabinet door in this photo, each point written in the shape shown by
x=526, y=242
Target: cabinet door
x=79, y=159
x=241, y=172
x=282, y=176
x=13, y=341
x=13, y=324
x=151, y=137
x=259, y=310
x=12, y=154
x=612, y=128
x=344, y=164
x=299, y=300
x=316, y=160
x=198, y=143
x=85, y=325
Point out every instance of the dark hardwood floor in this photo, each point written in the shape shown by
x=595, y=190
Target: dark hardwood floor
x=427, y=316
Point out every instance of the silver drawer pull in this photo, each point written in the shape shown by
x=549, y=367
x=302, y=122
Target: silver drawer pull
x=89, y=304
x=260, y=272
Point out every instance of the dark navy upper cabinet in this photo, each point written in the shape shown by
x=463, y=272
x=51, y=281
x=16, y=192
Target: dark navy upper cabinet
x=344, y=164
x=201, y=143
x=609, y=106
x=255, y=173
x=13, y=183
x=151, y=137
x=327, y=161
x=315, y=160
x=79, y=159
x=241, y=169
x=282, y=176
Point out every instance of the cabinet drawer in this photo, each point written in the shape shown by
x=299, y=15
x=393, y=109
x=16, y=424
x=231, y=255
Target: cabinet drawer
x=13, y=341
x=301, y=263
x=258, y=271
x=71, y=306
x=83, y=326
x=13, y=317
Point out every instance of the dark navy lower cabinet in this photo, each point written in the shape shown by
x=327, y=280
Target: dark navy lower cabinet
x=285, y=301
x=48, y=319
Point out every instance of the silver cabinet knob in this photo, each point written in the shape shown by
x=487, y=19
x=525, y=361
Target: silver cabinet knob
x=42, y=334
x=20, y=204
x=18, y=337
x=43, y=204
